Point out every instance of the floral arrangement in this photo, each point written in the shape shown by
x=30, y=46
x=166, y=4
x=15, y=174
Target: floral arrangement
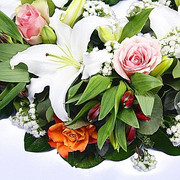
x=78, y=78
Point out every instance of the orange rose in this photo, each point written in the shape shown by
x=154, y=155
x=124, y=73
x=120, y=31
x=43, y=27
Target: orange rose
x=67, y=140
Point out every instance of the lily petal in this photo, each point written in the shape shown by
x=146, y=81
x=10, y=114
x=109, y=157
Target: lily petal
x=37, y=61
x=59, y=85
x=63, y=31
x=81, y=34
x=60, y=3
x=8, y=7
x=163, y=19
x=93, y=62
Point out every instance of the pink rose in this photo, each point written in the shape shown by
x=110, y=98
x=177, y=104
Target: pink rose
x=137, y=54
x=30, y=23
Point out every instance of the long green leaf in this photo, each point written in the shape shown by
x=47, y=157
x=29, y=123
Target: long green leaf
x=7, y=51
x=12, y=94
x=8, y=27
x=120, y=133
x=129, y=117
x=107, y=103
x=96, y=85
x=143, y=83
x=106, y=130
x=176, y=70
x=135, y=25
x=18, y=74
x=73, y=90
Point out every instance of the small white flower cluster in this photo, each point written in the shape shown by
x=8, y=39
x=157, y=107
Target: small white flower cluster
x=174, y=132
x=97, y=8
x=145, y=163
x=107, y=67
x=28, y=122
x=171, y=42
x=137, y=7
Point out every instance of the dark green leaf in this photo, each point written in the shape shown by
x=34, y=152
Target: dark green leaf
x=33, y=144
x=11, y=95
x=84, y=110
x=49, y=114
x=129, y=117
x=18, y=74
x=143, y=83
x=74, y=99
x=106, y=130
x=96, y=85
x=143, y=99
x=9, y=27
x=107, y=102
x=120, y=133
x=162, y=143
x=176, y=101
x=7, y=51
x=135, y=25
x=111, y=2
x=174, y=83
x=7, y=111
x=151, y=126
x=169, y=100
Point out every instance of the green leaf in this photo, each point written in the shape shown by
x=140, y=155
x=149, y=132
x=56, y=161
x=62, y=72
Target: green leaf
x=86, y=159
x=33, y=144
x=111, y=2
x=162, y=143
x=143, y=99
x=176, y=70
x=176, y=101
x=120, y=92
x=96, y=85
x=135, y=25
x=18, y=74
x=143, y=83
x=73, y=90
x=49, y=114
x=9, y=27
x=7, y=51
x=7, y=111
x=83, y=111
x=80, y=123
x=151, y=126
x=107, y=102
x=12, y=94
x=106, y=130
x=129, y=117
x=120, y=133
x=74, y=99
x=170, y=81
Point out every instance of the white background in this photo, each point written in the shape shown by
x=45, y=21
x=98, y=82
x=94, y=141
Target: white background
x=16, y=164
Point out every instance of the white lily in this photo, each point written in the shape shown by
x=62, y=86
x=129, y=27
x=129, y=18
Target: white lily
x=163, y=20
x=60, y=3
x=8, y=7
x=57, y=66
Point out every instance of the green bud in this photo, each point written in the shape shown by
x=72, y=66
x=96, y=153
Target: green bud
x=74, y=10
x=163, y=66
x=177, y=2
x=106, y=33
x=5, y=38
x=114, y=142
x=48, y=35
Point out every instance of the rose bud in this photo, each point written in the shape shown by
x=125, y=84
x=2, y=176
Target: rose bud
x=30, y=19
x=94, y=113
x=5, y=38
x=130, y=133
x=48, y=35
x=140, y=115
x=127, y=99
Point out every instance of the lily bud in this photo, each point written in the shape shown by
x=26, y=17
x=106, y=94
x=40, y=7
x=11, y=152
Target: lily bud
x=106, y=33
x=48, y=35
x=177, y=2
x=5, y=38
x=74, y=10
x=94, y=113
x=140, y=115
x=127, y=99
x=114, y=142
x=130, y=133
x=163, y=66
